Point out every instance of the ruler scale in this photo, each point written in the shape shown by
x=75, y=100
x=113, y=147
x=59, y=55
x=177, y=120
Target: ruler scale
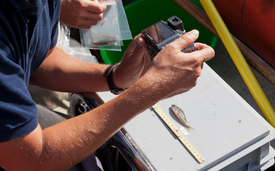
x=180, y=136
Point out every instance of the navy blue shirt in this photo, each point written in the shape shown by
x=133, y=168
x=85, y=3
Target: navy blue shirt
x=27, y=33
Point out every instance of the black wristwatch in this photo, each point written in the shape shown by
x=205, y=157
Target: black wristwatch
x=110, y=81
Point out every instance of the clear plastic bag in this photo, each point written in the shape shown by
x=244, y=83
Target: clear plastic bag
x=123, y=22
x=72, y=47
x=106, y=34
x=110, y=31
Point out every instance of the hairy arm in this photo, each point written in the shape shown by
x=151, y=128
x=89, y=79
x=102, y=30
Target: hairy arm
x=65, y=144
x=62, y=72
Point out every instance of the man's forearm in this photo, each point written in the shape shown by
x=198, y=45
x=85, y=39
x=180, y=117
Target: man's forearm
x=55, y=148
x=67, y=143
x=62, y=72
x=82, y=135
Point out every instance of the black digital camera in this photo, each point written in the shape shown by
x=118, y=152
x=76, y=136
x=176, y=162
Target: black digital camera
x=160, y=34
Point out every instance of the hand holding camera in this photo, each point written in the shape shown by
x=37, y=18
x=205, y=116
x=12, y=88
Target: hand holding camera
x=160, y=34
x=172, y=71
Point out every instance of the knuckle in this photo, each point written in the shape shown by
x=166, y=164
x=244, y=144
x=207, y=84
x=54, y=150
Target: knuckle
x=194, y=83
x=98, y=9
x=197, y=73
x=78, y=4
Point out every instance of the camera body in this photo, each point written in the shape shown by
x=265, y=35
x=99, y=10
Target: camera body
x=160, y=34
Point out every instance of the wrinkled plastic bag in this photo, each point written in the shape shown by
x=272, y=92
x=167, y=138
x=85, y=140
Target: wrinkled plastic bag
x=109, y=33
x=123, y=22
x=72, y=47
x=106, y=34
x=122, y=19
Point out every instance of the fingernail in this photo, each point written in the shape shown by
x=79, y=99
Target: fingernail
x=195, y=33
x=140, y=42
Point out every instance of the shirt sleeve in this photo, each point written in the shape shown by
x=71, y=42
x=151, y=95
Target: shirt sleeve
x=56, y=16
x=17, y=109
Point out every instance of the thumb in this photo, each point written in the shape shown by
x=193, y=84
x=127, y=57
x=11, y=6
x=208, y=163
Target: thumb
x=136, y=49
x=186, y=39
x=140, y=49
x=141, y=46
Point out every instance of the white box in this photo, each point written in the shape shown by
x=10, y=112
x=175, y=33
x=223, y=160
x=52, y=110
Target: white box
x=228, y=133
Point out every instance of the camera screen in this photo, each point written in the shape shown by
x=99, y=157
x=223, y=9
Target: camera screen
x=159, y=32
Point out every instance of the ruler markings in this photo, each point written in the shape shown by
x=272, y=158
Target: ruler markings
x=176, y=131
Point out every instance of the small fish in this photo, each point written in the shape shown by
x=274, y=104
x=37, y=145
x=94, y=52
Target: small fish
x=181, y=116
x=106, y=40
x=104, y=43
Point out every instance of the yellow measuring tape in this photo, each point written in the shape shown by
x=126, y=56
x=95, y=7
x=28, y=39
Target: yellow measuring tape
x=176, y=131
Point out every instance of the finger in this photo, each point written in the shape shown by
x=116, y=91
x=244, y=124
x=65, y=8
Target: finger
x=95, y=7
x=88, y=19
x=86, y=24
x=134, y=43
x=138, y=49
x=185, y=40
x=82, y=23
x=203, y=51
x=90, y=16
x=136, y=52
x=201, y=46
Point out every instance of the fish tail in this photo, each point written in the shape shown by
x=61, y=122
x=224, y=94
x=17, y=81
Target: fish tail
x=189, y=127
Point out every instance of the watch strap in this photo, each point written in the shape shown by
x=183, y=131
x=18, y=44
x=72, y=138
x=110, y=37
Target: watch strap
x=110, y=81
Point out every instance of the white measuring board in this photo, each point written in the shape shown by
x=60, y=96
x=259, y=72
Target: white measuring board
x=179, y=135
x=224, y=125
